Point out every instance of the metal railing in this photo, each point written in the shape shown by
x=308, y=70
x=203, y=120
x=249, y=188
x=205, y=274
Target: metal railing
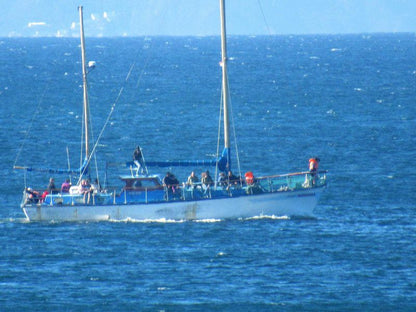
x=183, y=192
x=292, y=181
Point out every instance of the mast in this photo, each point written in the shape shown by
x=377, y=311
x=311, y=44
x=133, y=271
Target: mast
x=84, y=83
x=225, y=92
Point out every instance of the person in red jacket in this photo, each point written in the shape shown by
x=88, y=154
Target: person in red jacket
x=313, y=168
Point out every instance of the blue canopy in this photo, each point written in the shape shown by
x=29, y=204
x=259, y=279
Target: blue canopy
x=223, y=162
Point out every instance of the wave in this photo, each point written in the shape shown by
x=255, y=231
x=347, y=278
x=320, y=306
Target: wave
x=14, y=220
x=272, y=217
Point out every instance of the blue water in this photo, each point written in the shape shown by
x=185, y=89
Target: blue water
x=348, y=99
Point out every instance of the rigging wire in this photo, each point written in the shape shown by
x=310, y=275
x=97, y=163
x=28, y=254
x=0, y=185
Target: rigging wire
x=93, y=139
x=34, y=116
x=112, y=109
x=219, y=136
x=69, y=163
x=146, y=62
x=264, y=18
x=234, y=134
x=108, y=119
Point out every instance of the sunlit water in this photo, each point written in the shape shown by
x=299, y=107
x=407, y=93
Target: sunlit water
x=347, y=99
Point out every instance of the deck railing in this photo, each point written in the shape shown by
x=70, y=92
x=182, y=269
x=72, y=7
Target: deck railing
x=292, y=181
x=267, y=184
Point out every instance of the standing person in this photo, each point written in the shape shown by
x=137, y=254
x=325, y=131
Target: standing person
x=138, y=159
x=313, y=168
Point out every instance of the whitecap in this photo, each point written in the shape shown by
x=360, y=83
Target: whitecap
x=272, y=217
x=331, y=112
x=207, y=220
x=132, y=220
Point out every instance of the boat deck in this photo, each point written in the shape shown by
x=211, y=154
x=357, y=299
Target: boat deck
x=141, y=194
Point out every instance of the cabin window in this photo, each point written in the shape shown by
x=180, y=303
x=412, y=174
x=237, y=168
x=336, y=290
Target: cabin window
x=149, y=183
x=142, y=183
x=137, y=184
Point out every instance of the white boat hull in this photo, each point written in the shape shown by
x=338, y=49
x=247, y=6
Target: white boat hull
x=291, y=203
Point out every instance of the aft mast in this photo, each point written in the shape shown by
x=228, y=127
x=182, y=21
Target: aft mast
x=225, y=92
x=84, y=85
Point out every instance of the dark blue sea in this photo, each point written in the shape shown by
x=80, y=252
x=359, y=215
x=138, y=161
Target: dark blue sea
x=350, y=100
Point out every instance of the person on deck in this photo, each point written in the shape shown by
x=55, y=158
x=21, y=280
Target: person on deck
x=51, y=189
x=222, y=180
x=249, y=178
x=170, y=182
x=96, y=187
x=232, y=179
x=86, y=190
x=138, y=159
x=65, y=186
x=206, y=179
x=192, y=180
x=313, y=168
x=32, y=196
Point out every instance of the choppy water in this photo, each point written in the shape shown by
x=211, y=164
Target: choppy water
x=347, y=99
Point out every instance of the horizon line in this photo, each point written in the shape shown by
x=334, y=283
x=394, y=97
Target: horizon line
x=212, y=35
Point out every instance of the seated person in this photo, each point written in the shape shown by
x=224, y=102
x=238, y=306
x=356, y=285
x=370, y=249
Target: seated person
x=65, y=186
x=249, y=178
x=32, y=196
x=95, y=187
x=86, y=190
x=51, y=189
x=232, y=179
x=170, y=182
x=206, y=179
x=192, y=179
x=222, y=180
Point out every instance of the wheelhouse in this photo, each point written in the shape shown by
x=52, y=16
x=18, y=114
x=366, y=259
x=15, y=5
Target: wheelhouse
x=141, y=183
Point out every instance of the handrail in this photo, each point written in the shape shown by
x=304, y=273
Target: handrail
x=289, y=174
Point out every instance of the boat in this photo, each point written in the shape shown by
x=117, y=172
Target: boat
x=145, y=196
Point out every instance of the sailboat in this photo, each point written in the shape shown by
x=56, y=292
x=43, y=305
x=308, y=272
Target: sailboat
x=146, y=196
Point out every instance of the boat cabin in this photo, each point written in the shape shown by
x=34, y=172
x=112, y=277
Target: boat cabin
x=141, y=189
x=142, y=183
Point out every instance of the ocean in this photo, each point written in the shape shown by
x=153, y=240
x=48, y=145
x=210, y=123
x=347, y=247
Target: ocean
x=348, y=99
